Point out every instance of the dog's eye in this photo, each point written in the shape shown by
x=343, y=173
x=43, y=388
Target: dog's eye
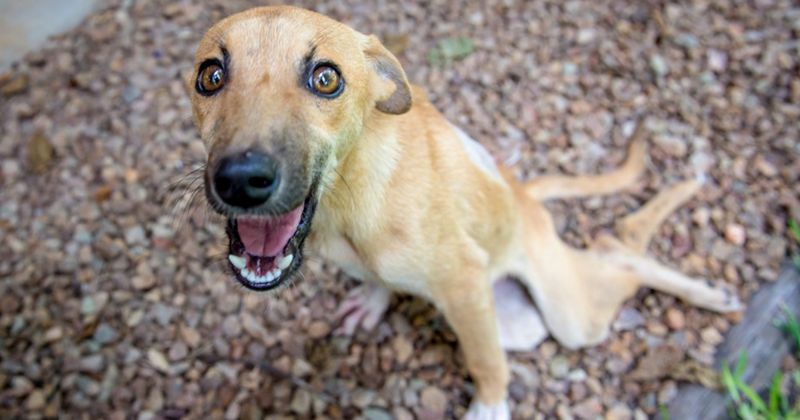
x=210, y=79
x=326, y=81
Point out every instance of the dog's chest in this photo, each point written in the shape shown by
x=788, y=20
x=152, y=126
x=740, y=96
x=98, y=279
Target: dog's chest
x=339, y=251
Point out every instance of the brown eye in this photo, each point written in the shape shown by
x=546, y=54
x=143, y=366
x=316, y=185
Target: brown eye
x=211, y=79
x=326, y=81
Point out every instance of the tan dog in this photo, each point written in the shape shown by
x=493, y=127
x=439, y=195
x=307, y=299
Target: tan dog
x=315, y=138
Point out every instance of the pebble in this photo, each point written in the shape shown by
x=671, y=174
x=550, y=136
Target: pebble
x=158, y=360
x=104, y=334
x=35, y=401
x=671, y=145
x=377, y=414
x=588, y=409
x=559, y=367
x=675, y=319
x=301, y=402
x=735, y=234
x=318, y=329
x=434, y=399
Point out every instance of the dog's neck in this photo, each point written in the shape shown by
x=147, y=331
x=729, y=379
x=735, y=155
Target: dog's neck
x=356, y=191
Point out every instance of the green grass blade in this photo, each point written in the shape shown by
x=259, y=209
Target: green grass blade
x=791, y=326
x=729, y=384
x=664, y=412
x=775, y=396
x=795, y=229
x=740, y=365
x=755, y=399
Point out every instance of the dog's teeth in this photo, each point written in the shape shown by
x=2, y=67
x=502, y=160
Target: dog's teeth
x=238, y=262
x=269, y=277
x=245, y=272
x=276, y=272
x=252, y=276
x=285, y=261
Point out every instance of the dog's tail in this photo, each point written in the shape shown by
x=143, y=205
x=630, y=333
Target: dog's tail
x=553, y=187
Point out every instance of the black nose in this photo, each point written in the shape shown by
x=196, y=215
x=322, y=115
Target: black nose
x=246, y=180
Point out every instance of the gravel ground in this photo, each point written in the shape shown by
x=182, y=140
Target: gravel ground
x=114, y=303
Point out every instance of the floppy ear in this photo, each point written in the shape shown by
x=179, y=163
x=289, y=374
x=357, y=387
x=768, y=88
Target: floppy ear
x=393, y=94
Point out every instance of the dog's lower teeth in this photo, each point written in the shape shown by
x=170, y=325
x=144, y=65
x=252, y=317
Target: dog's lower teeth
x=276, y=273
x=269, y=276
x=238, y=262
x=285, y=261
x=245, y=272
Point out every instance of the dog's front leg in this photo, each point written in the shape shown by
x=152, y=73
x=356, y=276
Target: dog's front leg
x=467, y=303
x=363, y=307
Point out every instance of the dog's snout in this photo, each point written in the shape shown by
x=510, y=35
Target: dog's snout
x=246, y=180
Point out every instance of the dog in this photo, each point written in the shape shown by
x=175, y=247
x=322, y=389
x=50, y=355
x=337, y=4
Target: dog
x=317, y=143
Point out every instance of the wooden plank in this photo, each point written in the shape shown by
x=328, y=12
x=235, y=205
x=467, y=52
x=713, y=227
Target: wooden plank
x=766, y=346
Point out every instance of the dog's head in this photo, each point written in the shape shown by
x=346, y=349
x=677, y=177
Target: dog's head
x=280, y=96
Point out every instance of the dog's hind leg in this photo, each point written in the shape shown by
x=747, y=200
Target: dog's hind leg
x=553, y=187
x=657, y=276
x=636, y=229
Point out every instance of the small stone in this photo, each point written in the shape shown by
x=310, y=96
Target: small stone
x=586, y=35
x=53, y=334
x=434, y=399
x=559, y=367
x=158, y=360
x=658, y=65
x=135, y=235
x=619, y=411
x=735, y=234
x=377, y=414
x=21, y=386
x=301, y=402
x=717, y=60
x=588, y=409
x=143, y=282
x=9, y=304
x=35, y=401
x=672, y=145
x=403, y=349
x=104, y=334
x=178, y=351
x=667, y=393
x=675, y=319
x=400, y=413
x=628, y=319
x=318, y=329
x=93, y=363
x=302, y=369
x=711, y=336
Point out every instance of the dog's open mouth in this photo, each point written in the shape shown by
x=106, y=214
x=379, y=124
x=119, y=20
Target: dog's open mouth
x=265, y=251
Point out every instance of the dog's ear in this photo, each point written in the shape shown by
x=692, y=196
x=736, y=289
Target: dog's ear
x=392, y=89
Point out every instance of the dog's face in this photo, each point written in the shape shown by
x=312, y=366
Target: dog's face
x=280, y=96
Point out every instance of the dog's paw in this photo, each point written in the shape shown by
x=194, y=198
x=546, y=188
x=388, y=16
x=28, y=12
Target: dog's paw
x=518, y=322
x=480, y=411
x=364, y=307
x=720, y=298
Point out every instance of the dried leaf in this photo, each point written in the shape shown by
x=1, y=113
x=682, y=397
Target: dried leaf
x=695, y=372
x=658, y=362
x=40, y=153
x=450, y=49
x=16, y=85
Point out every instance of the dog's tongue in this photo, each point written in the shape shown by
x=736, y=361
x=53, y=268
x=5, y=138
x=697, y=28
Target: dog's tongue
x=266, y=236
